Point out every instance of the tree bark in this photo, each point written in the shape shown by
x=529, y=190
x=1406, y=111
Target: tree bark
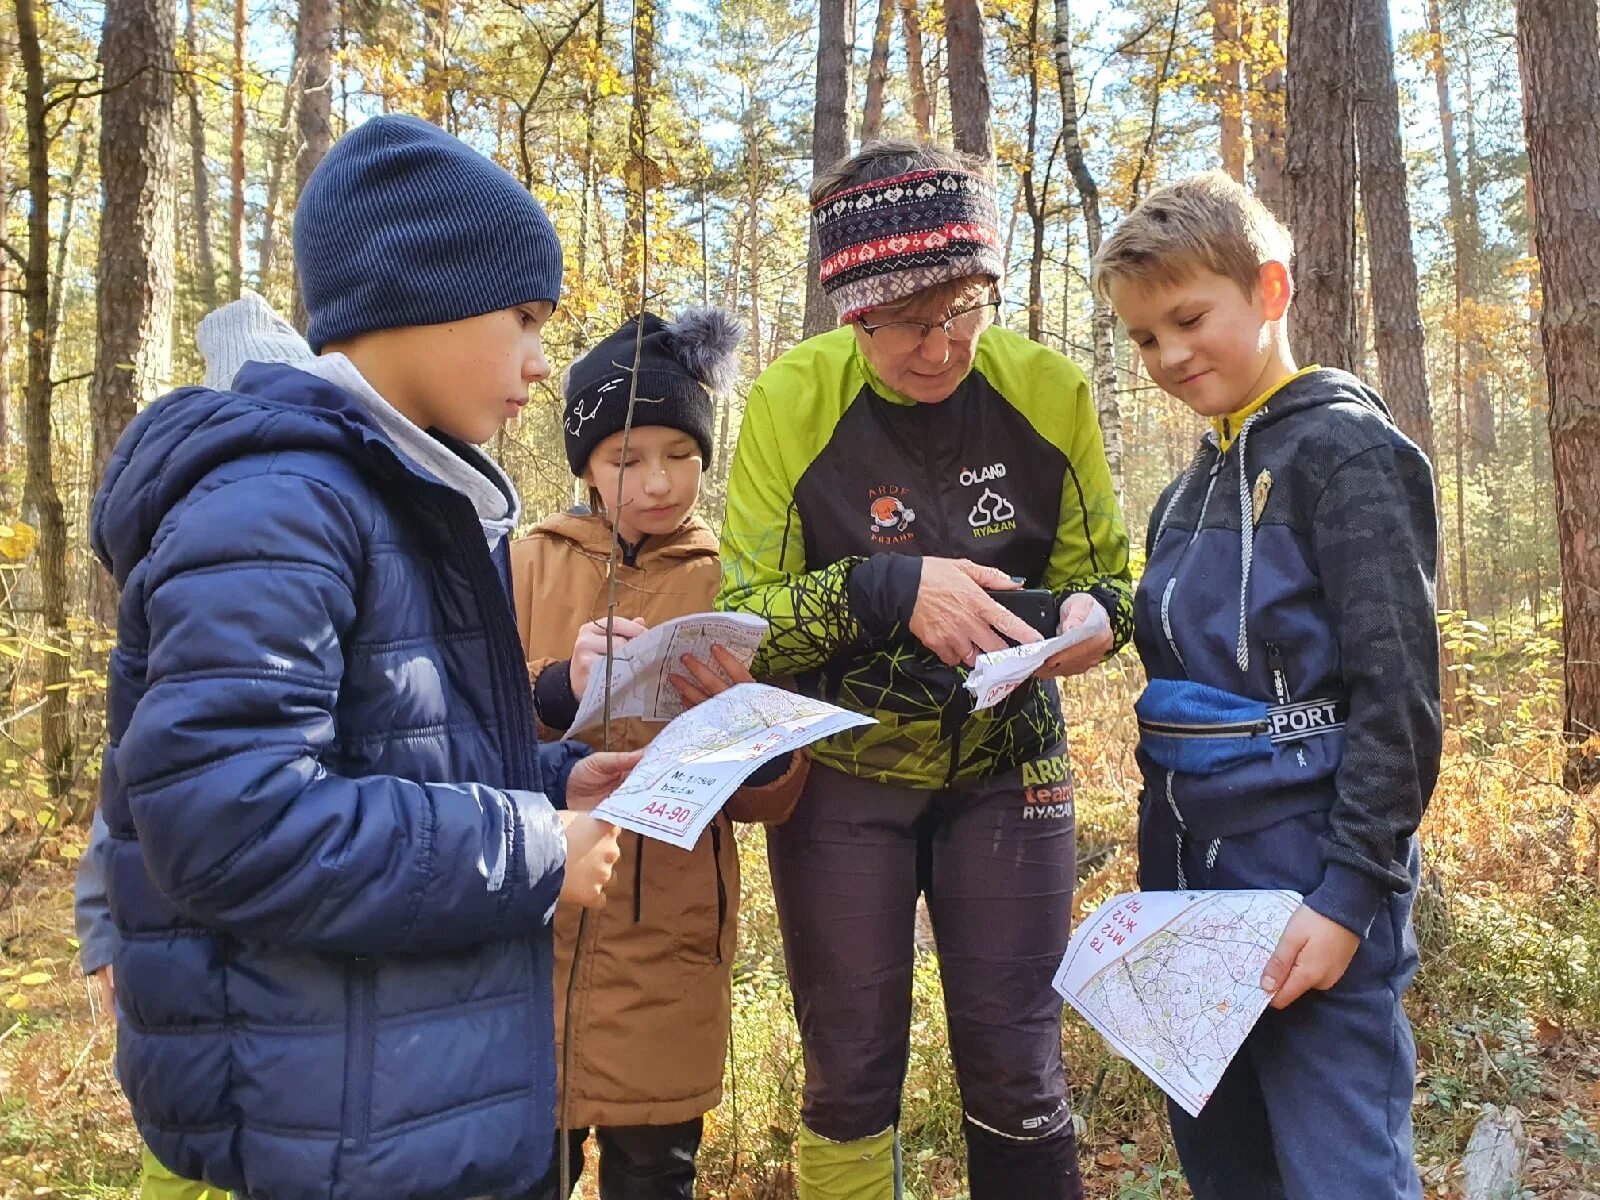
x=639, y=161
x=591, y=182
x=133, y=302
x=267, y=248
x=968, y=76
x=1558, y=47
x=1398, y=335
x=236, y=158
x=1035, y=193
x=1321, y=172
x=1397, y=316
x=1267, y=103
x=1464, y=241
x=911, y=26
x=1157, y=90
x=435, y=51
x=1480, y=397
x=59, y=273
x=315, y=118
x=41, y=494
x=1225, y=53
x=1103, y=323
x=877, y=72
x=753, y=198
x=7, y=64
x=199, y=176
x=830, y=135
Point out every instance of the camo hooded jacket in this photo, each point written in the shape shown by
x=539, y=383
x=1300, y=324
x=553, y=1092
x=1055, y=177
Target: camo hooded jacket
x=1292, y=564
x=839, y=488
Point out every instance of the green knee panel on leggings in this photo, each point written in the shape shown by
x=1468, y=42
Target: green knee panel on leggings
x=158, y=1183
x=865, y=1169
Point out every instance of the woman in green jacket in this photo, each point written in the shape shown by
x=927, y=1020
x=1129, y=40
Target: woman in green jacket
x=891, y=477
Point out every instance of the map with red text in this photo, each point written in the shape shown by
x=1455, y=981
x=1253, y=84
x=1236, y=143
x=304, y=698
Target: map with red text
x=693, y=765
x=1172, y=980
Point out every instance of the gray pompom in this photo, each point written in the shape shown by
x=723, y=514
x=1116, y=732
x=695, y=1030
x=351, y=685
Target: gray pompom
x=706, y=341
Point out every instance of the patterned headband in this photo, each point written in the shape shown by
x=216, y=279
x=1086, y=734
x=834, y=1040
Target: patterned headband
x=884, y=240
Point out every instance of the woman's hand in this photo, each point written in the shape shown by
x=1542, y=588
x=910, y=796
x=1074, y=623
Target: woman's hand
x=954, y=616
x=590, y=648
x=1074, y=660
x=703, y=680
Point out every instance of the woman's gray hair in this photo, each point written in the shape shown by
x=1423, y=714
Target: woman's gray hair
x=888, y=158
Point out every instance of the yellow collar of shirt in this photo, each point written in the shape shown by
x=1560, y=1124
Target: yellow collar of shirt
x=1228, y=427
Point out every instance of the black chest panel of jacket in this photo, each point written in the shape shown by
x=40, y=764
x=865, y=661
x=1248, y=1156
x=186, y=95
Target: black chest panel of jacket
x=967, y=478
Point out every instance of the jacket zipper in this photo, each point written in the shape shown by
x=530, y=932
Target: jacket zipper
x=1280, y=681
x=1214, y=730
x=638, y=879
x=1280, y=688
x=722, y=888
x=360, y=1033
x=1172, y=581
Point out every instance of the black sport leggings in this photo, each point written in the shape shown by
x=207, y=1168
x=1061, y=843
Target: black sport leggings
x=996, y=861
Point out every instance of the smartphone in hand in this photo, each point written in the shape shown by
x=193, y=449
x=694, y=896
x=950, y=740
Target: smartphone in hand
x=1036, y=606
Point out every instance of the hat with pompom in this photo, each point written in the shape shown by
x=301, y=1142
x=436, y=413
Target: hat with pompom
x=682, y=364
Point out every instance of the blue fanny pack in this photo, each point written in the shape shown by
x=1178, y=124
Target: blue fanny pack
x=1200, y=730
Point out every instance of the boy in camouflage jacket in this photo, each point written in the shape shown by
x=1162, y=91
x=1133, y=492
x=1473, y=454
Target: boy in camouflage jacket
x=1290, y=732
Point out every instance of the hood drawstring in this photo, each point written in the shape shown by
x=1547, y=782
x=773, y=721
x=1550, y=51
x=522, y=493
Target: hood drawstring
x=1247, y=542
x=1177, y=492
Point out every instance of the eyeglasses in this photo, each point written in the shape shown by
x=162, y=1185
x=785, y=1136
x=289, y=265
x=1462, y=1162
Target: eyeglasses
x=902, y=337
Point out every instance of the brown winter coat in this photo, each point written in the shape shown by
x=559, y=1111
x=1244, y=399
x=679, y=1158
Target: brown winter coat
x=650, y=1012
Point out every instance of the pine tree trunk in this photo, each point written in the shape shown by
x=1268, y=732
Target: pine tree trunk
x=1102, y=323
x=591, y=181
x=877, y=72
x=1321, y=172
x=41, y=494
x=1558, y=47
x=1158, y=86
x=60, y=272
x=1398, y=335
x=754, y=228
x=1480, y=397
x=133, y=300
x=435, y=52
x=1464, y=243
x=830, y=135
x=7, y=64
x=968, y=80
x=1267, y=103
x=199, y=177
x=911, y=26
x=1225, y=47
x=236, y=158
x=267, y=248
x=1032, y=195
x=315, y=116
x=1397, y=317
x=639, y=163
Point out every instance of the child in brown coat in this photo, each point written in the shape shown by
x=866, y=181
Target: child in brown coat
x=649, y=1013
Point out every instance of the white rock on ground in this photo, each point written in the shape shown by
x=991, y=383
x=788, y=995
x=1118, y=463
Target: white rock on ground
x=1491, y=1168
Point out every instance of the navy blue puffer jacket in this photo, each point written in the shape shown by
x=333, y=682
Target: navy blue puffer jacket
x=333, y=860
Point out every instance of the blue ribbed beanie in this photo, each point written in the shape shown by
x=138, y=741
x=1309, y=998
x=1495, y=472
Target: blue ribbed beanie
x=402, y=224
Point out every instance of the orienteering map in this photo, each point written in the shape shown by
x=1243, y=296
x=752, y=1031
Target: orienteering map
x=1172, y=980
x=693, y=765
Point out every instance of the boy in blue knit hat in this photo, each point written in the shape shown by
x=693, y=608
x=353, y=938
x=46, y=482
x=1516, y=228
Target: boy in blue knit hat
x=335, y=841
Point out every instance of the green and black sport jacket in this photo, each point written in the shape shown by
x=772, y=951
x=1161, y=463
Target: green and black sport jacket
x=841, y=485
